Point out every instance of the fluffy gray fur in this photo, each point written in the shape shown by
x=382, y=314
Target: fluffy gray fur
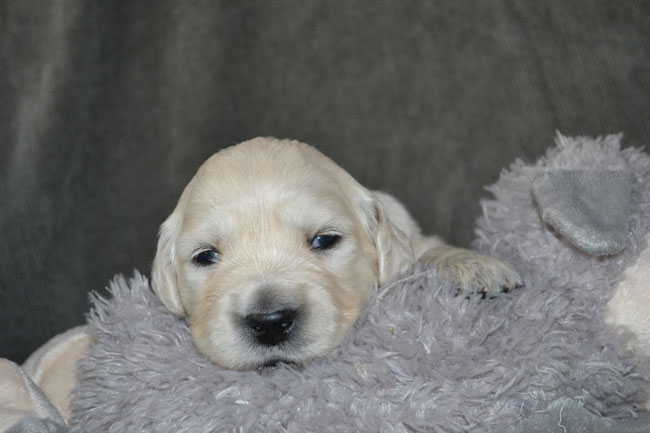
x=419, y=359
x=568, y=416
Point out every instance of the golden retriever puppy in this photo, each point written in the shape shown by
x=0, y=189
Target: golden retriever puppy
x=273, y=250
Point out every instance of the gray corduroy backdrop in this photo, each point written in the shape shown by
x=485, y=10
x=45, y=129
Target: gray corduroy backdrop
x=109, y=107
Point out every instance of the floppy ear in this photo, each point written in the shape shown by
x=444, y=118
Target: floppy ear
x=387, y=221
x=163, y=272
x=394, y=249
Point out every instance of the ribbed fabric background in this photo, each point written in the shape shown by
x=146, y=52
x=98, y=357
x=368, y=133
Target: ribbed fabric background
x=109, y=107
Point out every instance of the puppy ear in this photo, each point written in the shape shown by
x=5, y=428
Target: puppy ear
x=163, y=272
x=394, y=248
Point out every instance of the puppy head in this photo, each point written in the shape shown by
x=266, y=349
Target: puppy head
x=272, y=252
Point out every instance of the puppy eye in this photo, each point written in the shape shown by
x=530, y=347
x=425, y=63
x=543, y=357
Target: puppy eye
x=323, y=242
x=207, y=257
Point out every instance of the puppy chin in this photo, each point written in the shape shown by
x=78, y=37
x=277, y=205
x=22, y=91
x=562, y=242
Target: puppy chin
x=236, y=353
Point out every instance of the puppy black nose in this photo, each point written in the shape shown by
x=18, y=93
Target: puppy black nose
x=271, y=329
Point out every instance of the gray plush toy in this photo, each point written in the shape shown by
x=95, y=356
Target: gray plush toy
x=539, y=359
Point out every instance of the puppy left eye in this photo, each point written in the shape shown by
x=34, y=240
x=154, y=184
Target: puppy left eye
x=323, y=242
x=207, y=257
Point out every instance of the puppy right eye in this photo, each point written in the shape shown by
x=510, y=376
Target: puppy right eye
x=207, y=257
x=324, y=242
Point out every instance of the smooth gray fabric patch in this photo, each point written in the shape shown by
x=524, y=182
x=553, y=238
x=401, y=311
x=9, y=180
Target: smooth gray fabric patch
x=590, y=208
x=566, y=415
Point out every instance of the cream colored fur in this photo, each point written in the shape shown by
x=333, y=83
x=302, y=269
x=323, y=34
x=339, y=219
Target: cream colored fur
x=52, y=366
x=259, y=203
x=629, y=308
x=20, y=398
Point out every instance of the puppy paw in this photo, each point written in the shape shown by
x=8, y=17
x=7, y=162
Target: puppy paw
x=472, y=272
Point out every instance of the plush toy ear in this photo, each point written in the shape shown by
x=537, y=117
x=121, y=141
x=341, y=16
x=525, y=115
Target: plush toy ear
x=394, y=249
x=163, y=272
x=590, y=208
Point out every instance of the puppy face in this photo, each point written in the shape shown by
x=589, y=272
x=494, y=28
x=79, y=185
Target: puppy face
x=272, y=252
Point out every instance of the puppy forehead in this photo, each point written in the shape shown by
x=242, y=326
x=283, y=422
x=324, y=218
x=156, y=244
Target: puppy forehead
x=287, y=183
x=264, y=165
x=266, y=207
